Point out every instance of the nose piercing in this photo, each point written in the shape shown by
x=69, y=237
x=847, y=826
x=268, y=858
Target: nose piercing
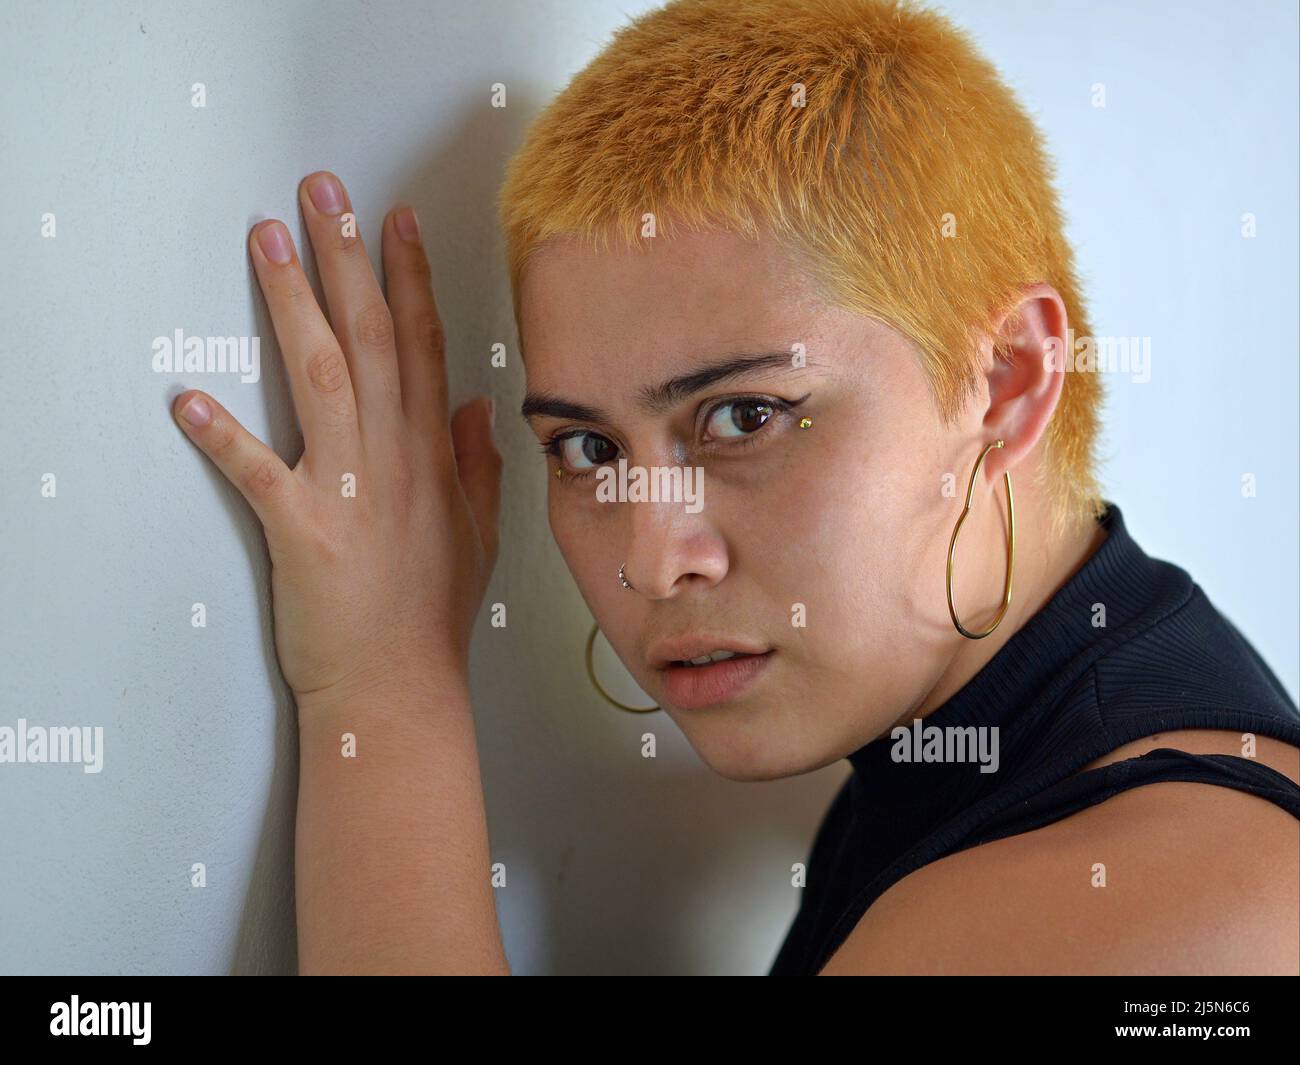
x=621, y=578
x=805, y=423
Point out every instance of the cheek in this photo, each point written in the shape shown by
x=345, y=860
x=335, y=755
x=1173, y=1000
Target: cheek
x=588, y=551
x=844, y=530
x=573, y=537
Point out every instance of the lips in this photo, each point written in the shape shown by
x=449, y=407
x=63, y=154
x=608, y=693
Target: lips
x=691, y=687
x=705, y=669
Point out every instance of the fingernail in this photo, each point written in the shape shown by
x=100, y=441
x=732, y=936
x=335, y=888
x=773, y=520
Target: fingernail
x=275, y=244
x=326, y=193
x=197, y=411
x=408, y=226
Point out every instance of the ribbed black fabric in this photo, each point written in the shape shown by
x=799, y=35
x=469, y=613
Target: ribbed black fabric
x=1062, y=692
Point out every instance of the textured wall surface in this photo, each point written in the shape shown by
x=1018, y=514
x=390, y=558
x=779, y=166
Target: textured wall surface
x=615, y=863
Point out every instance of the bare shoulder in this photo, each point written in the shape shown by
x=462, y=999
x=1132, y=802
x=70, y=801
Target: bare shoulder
x=1161, y=879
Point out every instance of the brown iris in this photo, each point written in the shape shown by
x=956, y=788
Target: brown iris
x=749, y=415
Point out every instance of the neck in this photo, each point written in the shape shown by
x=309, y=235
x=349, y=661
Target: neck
x=1043, y=565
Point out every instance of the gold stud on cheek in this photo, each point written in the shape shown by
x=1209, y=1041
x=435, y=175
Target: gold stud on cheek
x=559, y=472
x=805, y=423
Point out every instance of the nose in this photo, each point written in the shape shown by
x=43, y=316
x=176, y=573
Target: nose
x=671, y=549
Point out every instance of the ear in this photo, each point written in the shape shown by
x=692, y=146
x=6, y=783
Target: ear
x=1024, y=380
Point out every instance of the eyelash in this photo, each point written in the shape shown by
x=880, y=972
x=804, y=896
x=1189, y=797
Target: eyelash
x=551, y=445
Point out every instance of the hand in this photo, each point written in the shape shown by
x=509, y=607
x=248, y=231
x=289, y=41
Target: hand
x=383, y=536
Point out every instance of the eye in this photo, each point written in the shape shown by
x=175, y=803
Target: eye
x=581, y=450
x=738, y=417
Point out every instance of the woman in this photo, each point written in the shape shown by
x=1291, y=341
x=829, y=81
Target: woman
x=808, y=259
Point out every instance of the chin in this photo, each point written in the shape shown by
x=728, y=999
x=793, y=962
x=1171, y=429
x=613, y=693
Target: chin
x=753, y=759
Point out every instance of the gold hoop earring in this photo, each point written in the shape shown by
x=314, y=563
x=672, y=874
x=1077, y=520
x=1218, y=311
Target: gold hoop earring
x=1011, y=547
x=591, y=673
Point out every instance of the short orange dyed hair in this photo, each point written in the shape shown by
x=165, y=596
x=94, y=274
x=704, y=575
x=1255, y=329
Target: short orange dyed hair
x=861, y=133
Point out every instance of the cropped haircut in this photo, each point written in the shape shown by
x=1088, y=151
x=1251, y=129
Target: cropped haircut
x=869, y=137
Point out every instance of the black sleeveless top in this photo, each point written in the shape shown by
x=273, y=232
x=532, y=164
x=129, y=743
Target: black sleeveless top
x=1062, y=691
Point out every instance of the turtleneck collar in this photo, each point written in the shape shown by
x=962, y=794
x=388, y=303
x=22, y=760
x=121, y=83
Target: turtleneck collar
x=1119, y=575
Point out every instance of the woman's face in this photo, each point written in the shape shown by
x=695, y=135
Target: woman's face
x=824, y=547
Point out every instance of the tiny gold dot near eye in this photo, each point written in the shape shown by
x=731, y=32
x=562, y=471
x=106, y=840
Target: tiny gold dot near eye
x=805, y=423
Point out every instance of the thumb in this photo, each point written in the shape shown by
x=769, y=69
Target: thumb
x=478, y=463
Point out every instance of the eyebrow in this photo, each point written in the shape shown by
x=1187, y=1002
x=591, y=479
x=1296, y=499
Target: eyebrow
x=657, y=398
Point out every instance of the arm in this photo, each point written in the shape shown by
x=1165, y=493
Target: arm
x=382, y=539
x=1200, y=880
x=392, y=846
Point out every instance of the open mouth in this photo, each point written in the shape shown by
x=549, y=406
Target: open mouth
x=717, y=677
x=709, y=659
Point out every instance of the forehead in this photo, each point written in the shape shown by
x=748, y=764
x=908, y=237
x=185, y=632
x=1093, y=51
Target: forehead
x=659, y=302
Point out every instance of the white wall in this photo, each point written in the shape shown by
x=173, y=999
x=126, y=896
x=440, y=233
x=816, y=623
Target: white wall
x=1199, y=129
x=616, y=863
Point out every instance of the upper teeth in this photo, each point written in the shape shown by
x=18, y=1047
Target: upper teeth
x=712, y=656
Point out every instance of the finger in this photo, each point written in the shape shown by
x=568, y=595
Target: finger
x=357, y=309
x=318, y=372
x=479, y=465
x=262, y=478
x=421, y=343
